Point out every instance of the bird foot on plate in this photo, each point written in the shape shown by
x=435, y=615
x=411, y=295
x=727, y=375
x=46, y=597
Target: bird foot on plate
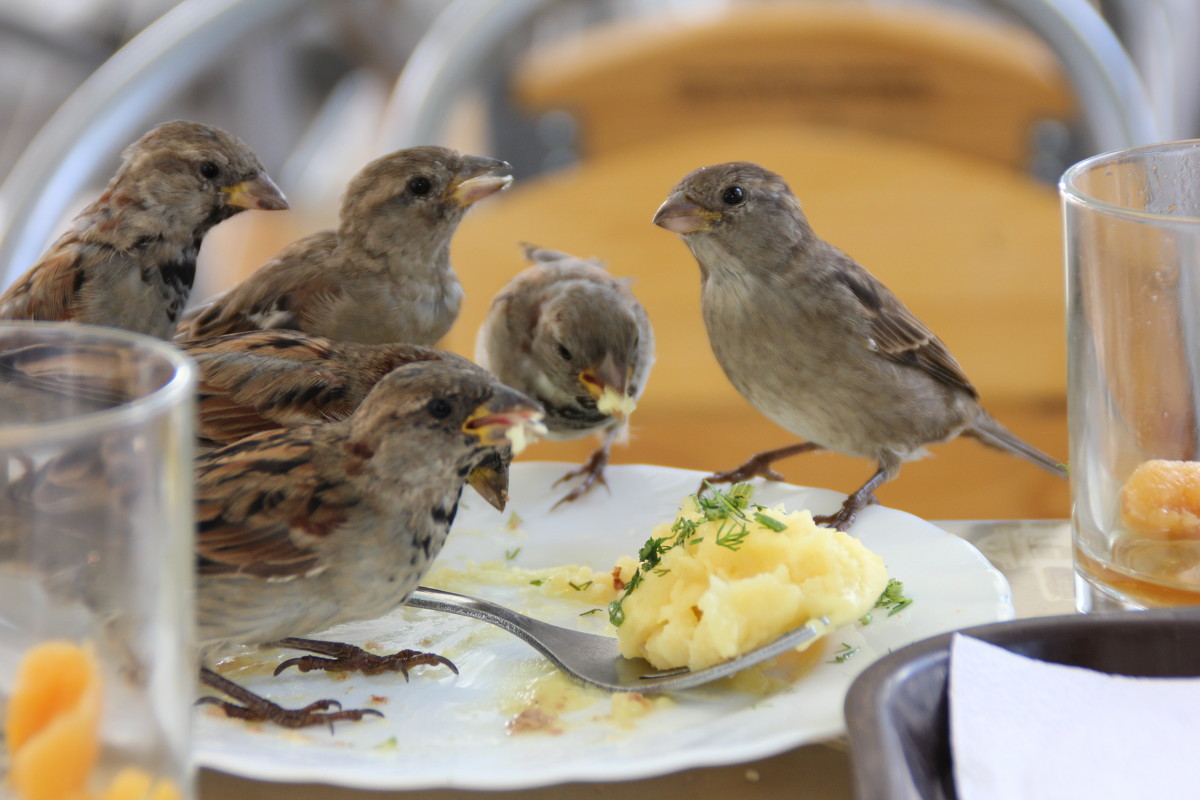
x=592, y=472
x=340, y=657
x=843, y=518
x=256, y=708
x=757, y=466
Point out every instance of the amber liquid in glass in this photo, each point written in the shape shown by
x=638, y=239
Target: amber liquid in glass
x=1149, y=572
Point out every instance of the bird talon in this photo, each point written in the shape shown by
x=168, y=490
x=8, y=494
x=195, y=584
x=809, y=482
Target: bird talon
x=256, y=708
x=342, y=657
x=592, y=472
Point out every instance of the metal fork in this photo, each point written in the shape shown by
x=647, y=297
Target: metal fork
x=593, y=659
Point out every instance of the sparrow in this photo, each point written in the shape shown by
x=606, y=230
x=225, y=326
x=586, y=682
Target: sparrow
x=384, y=275
x=128, y=259
x=814, y=341
x=309, y=527
x=260, y=380
x=573, y=337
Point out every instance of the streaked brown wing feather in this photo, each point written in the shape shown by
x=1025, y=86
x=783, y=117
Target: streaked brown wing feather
x=897, y=333
x=263, y=507
x=49, y=291
x=270, y=297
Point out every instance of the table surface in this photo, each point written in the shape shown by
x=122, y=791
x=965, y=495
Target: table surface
x=1035, y=556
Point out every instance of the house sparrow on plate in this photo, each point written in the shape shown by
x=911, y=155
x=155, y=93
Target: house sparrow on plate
x=260, y=380
x=573, y=337
x=129, y=259
x=813, y=340
x=310, y=527
x=384, y=275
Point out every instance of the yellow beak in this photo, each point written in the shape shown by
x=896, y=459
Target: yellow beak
x=259, y=192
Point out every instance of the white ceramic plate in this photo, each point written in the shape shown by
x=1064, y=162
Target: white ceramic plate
x=443, y=730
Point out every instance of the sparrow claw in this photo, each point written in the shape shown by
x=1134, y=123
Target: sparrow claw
x=592, y=472
x=349, y=658
x=256, y=708
x=757, y=466
x=843, y=518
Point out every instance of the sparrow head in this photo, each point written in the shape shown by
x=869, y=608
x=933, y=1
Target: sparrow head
x=451, y=410
x=194, y=176
x=739, y=207
x=586, y=343
x=419, y=191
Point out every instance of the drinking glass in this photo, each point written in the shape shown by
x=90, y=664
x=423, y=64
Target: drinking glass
x=1132, y=224
x=97, y=664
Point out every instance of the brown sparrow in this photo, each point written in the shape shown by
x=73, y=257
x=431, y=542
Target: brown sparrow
x=384, y=275
x=306, y=528
x=129, y=259
x=813, y=340
x=574, y=338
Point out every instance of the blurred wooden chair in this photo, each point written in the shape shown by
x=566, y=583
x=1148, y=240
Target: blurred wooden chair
x=907, y=131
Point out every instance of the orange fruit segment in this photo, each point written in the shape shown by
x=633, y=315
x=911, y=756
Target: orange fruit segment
x=1161, y=500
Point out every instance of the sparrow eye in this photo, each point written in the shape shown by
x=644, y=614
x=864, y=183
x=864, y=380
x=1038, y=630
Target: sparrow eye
x=420, y=185
x=209, y=170
x=439, y=408
x=564, y=353
x=733, y=195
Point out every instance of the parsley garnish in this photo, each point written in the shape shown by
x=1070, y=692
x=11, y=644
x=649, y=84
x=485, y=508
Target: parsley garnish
x=843, y=654
x=893, y=598
x=727, y=507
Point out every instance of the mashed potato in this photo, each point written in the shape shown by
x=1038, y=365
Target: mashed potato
x=728, y=576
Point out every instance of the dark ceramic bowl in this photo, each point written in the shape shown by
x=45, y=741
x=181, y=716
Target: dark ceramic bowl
x=897, y=713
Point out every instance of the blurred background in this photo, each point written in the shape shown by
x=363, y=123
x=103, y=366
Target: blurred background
x=924, y=137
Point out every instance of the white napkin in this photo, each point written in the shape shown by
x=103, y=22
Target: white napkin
x=1028, y=729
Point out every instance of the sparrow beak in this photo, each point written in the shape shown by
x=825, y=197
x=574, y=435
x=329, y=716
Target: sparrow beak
x=606, y=384
x=490, y=480
x=508, y=418
x=259, y=192
x=680, y=214
x=477, y=180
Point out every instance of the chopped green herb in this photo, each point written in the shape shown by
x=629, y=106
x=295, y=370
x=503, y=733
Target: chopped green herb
x=843, y=654
x=769, y=522
x=589, y=612
x=509, y=555
x=728, y=507
x=865, y=619
x=734, y=538
x=514, y=521
x=893, y=598
x=579, y=587
x=537, y=581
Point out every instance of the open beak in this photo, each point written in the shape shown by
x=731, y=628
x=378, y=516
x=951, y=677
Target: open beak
x=478, y=179
x=509, y=418
x=259, y=192
x=490, y=478
x=606, y=383
x=681, y=214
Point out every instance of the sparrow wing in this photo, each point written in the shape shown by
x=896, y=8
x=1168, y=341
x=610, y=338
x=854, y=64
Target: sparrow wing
x=263, y=507
x=48, y=291
x=897, y=334
x=273, y=296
